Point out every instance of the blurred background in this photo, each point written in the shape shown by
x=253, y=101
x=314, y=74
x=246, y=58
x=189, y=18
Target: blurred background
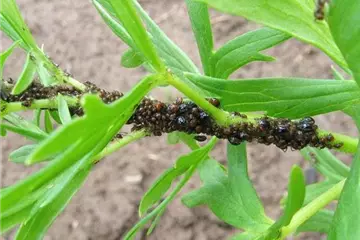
x=75, y=37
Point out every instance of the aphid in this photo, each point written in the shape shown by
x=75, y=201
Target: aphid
x=200, y=138
x=182, y=108
x=179, y=100
x=319, y=13
x=338, y=145
x=330, y=137
x=172, y=108
x=214, y=101
x=264, y=124
x=181, y=121
x=27, y=102
x=203, y=115
x=159, y=106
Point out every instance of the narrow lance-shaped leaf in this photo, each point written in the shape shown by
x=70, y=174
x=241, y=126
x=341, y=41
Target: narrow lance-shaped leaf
x=163, y=182
x=293, y=17
x=344, y=24
x=14, y=26
x=26, y=76
x=4, y=55
x=47, y=122
x=64, y=113
x=320, y=222
x=245, y=49
x=126, y=13
x=20, y=154
x=173, y=56
x=201, y=26
x=281, y=97
x=346, y=220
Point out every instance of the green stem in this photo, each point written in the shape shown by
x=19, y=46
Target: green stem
x=312, y=208
x=349, y=143
x=220, y=116
x=50, y=103
x=117, y=144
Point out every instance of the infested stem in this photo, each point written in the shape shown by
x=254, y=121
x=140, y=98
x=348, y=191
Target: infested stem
x=221, y=117
x=312, y=208
x=349, y=143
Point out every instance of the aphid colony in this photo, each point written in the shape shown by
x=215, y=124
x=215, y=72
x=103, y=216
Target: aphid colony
x=158, y=118
x=185, y=116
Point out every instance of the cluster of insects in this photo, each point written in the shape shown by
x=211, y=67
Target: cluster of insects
x=157, y=118
x=185, y=116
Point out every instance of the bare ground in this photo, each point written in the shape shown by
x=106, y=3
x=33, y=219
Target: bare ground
x=106, y=207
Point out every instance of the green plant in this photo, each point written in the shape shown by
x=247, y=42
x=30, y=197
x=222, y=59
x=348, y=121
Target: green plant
x=71, y=149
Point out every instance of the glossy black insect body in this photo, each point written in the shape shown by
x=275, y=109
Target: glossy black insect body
x=200, y=138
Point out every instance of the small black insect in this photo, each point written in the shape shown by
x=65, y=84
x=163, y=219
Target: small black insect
x=203, y=115
x=264, y=124
x=200, y=138
x=214, y=101
x=181, y=121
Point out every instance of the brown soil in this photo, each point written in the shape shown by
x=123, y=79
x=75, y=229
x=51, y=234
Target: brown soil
x=74, y=35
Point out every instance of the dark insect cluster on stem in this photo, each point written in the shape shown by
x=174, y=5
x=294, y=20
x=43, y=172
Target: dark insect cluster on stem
x=157, y=118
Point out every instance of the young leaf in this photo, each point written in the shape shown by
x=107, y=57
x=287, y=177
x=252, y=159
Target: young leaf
x=296, y=195
x=281, y=97
x=4, y=55
x=116, y=27
x=37, y=116
x=36, y=226
x=232, y=199
x=26, y=76
x=201, y=26
x=47, y=121
x=336, y=73
x=126, y=13
x=173, y=56
x=316, y=189
x=163, y=183
x=346, y=220
x=326, y=163
x=245, y=49
x=292, y=17
x=320, y=222
x=14, y=26
x=32, y=135
x=54, y=113
x=20, y=154
x=131, y=59
x=63, y=110
x=343, y=21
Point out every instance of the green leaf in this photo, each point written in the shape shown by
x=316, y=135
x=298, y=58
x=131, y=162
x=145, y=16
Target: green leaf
x=13, y=25
x=116, y=27
x=18, y=212
x=63, y=110
x=4, y=55
x=47, y=121
x=99, y=117
x=244, y=236
x=326, y=163
x=343, y=21
x=173, y=56
x=126, y=13
x=37, y=116
x=45, y=77
x=35, y=227
x=20, y=154
x=173, y=138
x=55, y=115
x=346, y=220
x=23, y=127
x=281, y=97
x=316, y=189
x=26, y=76
x=131, y=59
x=201, y=26
x=164, y=181
x=292, y=17
x=296, y=195
x=231, y=198
x=245, y=49
x=320, y=222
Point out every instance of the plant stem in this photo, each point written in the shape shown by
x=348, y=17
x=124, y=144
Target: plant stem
x=312, y=208
x=220, y=116
x=349, y=143
x=50, y=103
x=117, y=144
